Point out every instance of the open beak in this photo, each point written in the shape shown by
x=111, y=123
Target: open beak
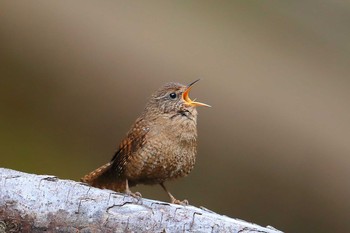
x=186, y=97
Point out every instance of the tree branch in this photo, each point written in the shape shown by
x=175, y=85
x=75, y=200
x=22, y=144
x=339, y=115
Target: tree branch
x=37, y=203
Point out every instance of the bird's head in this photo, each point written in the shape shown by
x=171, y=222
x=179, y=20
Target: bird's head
x=173, y=100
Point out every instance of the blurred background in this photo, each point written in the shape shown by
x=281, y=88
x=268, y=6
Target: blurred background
x=274, y=149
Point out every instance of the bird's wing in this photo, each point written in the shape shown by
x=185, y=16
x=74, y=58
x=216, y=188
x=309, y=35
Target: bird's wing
x=135, y=140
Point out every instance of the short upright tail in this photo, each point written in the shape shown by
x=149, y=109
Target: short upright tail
x=104, y=177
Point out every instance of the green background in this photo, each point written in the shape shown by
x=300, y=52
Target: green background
x=275, y=147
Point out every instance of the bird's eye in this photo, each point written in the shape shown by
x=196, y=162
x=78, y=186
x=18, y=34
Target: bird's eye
x=172, y=95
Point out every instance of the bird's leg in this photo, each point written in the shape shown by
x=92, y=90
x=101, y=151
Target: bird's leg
x=128, y=191
x=172, y=198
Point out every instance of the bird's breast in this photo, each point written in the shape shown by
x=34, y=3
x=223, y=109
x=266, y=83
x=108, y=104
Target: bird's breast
x=169, y=153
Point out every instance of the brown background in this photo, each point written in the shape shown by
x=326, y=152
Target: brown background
x=274, y=148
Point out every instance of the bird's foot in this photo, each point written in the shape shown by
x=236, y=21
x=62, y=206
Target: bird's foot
x=173, y=200
x=178, y=202
x=135, y=194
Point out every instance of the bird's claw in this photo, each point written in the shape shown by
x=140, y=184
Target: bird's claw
x=136, y=195
x=178, y=202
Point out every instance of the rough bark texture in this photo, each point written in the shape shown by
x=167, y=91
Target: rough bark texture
x=37, y=203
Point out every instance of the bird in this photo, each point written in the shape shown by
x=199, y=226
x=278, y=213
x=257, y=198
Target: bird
x=160, y=146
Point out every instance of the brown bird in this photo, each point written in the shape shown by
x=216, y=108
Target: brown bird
x=160, y=146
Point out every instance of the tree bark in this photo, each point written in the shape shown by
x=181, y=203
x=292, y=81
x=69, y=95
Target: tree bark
x=37, y=203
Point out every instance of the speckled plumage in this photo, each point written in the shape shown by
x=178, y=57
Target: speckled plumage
x=160, y=146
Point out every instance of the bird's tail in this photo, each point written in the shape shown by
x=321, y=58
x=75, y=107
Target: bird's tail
x=106, y=178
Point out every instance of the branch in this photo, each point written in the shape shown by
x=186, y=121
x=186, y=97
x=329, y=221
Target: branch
x=37, y=203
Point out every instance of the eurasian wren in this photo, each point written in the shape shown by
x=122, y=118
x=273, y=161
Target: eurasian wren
x=160, y=146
